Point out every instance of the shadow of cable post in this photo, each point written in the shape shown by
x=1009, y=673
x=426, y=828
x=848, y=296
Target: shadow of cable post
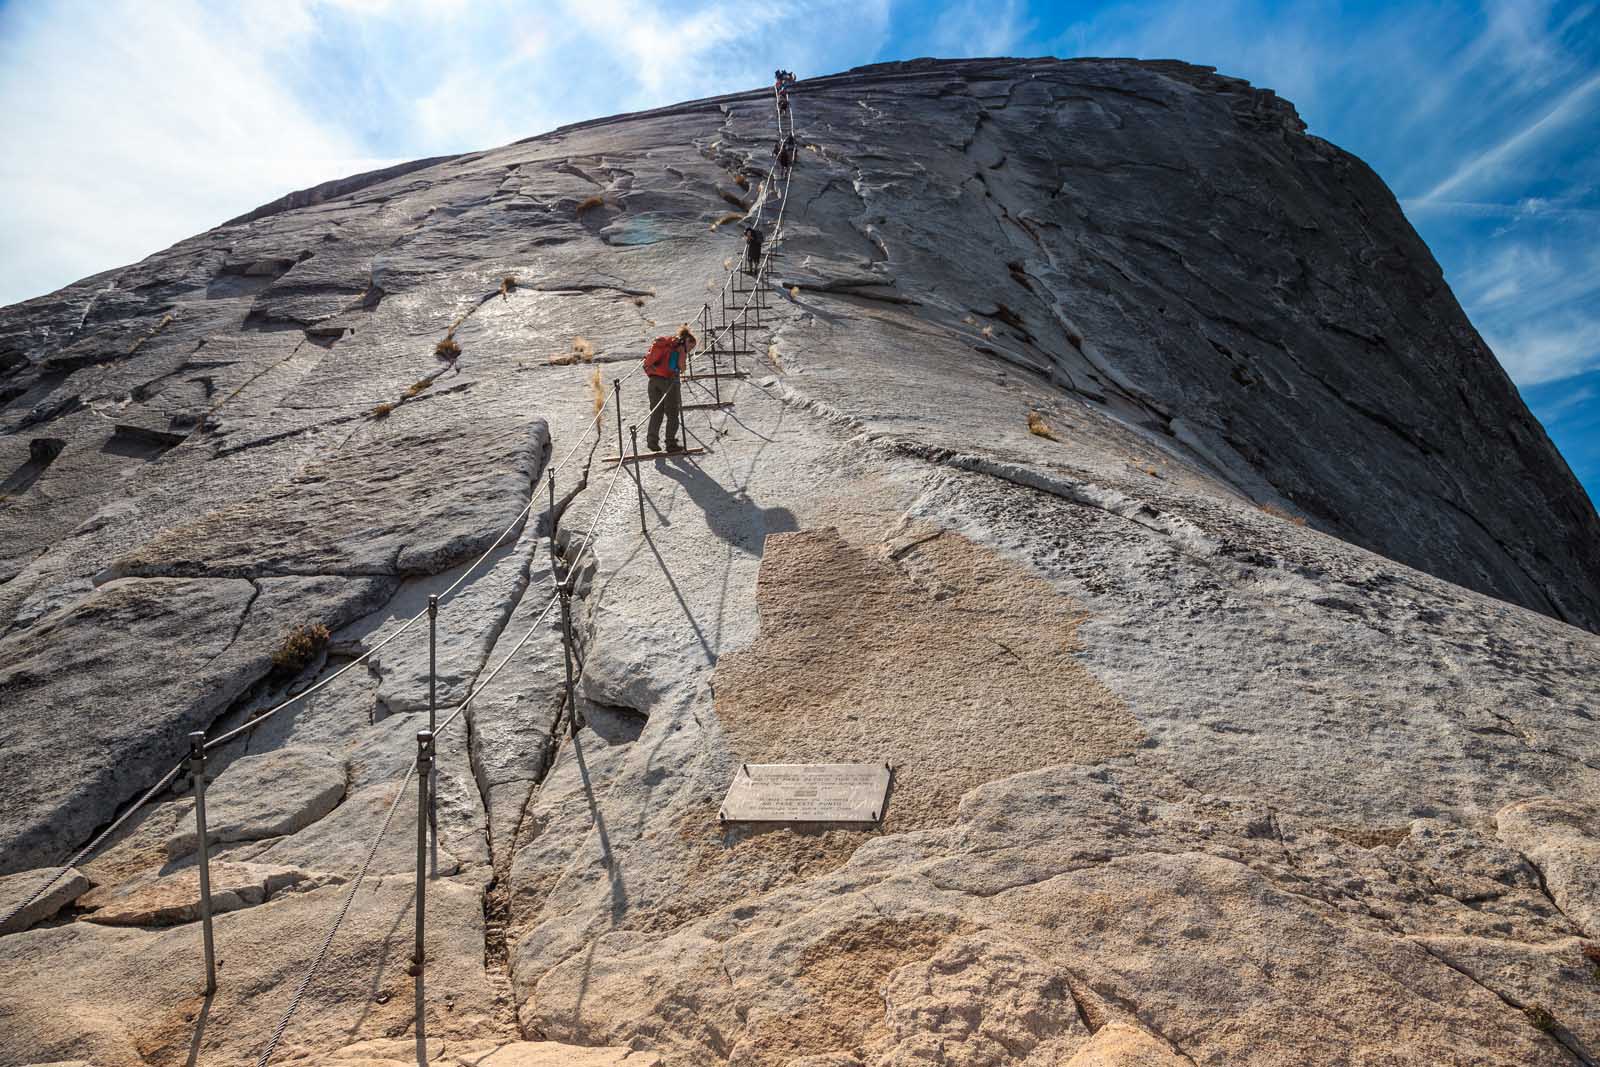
x=200, y=1025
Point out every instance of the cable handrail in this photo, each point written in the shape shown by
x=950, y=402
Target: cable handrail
x=562, y=586
x=344, y=909
x=166, y=780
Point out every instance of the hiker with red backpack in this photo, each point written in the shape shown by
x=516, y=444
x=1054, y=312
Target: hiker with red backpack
x=662, y=366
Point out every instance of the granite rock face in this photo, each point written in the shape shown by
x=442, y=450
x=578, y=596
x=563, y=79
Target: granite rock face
x=1113, y=462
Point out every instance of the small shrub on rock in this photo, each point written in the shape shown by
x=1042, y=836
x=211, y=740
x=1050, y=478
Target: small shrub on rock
x=1278, y=513
x=448, y=349
x=1540, y=1017
x=588, y=204
x=304, y=644
x=382, y=411
x=732, y=216
x=508, y=283
x=1039, y=428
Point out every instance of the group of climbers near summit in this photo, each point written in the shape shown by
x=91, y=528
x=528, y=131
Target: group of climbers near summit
x=667, y=356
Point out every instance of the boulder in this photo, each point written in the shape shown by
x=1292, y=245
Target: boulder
x=174, y=898
x=14, y=888
x=269, y=795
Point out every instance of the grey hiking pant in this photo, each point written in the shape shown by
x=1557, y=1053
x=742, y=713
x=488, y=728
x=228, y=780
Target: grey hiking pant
x=665, y=396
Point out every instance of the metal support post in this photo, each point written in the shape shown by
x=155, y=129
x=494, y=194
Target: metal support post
x=716, y=380
x=433, y=658
x=424, y=771
x=638, y=476
x=197, y=768
x=433, y=711
x=555, y=557
x=567, y=648
x=616, y=398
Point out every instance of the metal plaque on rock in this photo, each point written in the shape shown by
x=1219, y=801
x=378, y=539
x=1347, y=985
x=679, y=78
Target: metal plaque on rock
x=807, y=792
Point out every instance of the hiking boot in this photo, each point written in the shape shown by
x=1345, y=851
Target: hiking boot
x=651, y=446
x=673, y=446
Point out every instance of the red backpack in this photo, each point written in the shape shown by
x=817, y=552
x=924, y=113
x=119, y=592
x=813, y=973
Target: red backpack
x=658, y=364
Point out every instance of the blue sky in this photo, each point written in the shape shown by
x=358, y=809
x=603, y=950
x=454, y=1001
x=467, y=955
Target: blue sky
x=130, y=124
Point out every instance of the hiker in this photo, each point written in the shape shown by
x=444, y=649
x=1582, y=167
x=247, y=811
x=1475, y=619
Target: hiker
x=784, y=150
x=782, y=79
x=753, y=237
x=663, y=365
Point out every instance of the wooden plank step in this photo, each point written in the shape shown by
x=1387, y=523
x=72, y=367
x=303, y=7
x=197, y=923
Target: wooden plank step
x=614, y=460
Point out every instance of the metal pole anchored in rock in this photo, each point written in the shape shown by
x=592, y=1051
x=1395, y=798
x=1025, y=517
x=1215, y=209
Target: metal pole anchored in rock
x=638, y=477
x=616, y=398
x=197, y=768
x=424, y=771
x=433, y=711
x=570, y=654
x=555, y=559
x=716, y=380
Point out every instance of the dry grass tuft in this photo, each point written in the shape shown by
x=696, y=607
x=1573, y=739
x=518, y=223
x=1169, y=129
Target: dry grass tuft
x=987, y=331
x=449, y=348
x=304, y=644
x=732, y=216
x=741, y=181
x=382, y=411
x=794, y=292
x=772, y=354
x=1278, y=513
x=582, y=352
x=1039, y=428
x=727, y=264
x=597, y=391
x=638, y=301
x=1151, y=471
x=417, y=388
x=508, y=283
x=970, y=321
x=588, y=204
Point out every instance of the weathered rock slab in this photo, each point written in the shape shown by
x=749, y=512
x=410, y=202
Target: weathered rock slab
x=268, y=795
x=16, y=887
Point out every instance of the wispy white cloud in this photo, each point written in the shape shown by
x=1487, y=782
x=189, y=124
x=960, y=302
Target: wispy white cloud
x=1535, y=352
x=980, y=28
x=133, y=125
x=1490, y=165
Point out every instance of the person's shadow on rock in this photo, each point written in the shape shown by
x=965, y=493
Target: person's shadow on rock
x=733, y=517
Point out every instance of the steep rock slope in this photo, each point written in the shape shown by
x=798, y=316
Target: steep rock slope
x=1063, y=351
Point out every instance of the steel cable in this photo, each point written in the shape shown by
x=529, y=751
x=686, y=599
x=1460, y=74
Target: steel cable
x=715, y=333
x=344, y=909
x=166, y=780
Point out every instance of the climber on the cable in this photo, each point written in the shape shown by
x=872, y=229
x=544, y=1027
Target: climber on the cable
x=663, y=365
x=784, y=150
x=753, y=238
